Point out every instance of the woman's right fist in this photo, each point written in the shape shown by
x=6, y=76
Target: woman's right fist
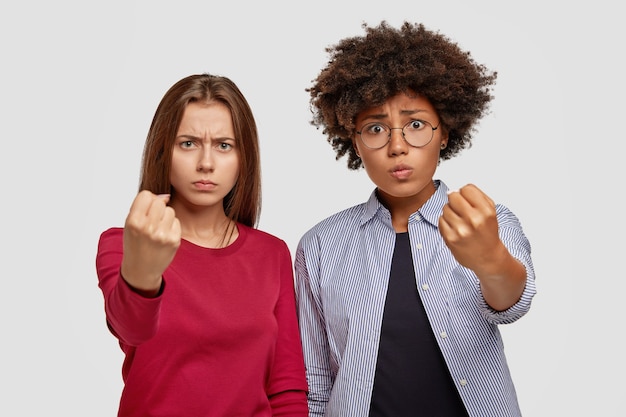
x=151, y=238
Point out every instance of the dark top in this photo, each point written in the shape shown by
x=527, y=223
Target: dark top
x=411, y=376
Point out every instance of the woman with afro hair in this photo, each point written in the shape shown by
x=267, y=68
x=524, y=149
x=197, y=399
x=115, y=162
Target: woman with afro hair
x=400, y=298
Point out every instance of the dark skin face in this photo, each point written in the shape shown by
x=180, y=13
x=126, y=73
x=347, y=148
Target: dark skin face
x=403, y=174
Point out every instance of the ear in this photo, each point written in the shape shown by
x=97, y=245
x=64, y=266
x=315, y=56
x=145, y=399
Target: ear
x=444, y=139
x=356, y=148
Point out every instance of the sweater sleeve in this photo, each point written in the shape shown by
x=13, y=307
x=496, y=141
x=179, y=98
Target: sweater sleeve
x=132, y=318
x=289, y=404
x=287, y=387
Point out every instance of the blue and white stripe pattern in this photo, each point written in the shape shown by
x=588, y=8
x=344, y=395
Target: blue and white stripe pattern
x=342, y=269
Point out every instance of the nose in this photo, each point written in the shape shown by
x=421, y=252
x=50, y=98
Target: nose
x=205, y=161
x=397, y=144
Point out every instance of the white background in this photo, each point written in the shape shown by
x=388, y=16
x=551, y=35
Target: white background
x=79, y=85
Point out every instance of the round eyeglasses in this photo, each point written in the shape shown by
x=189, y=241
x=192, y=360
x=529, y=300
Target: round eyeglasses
x=417, y=133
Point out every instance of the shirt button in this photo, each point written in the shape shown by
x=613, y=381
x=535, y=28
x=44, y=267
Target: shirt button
x=443, y=335
x=463, y=382
x=424, y=287
x=419, y=246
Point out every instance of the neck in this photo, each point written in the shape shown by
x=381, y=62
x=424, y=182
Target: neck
x=215, y=236
x=206, y=226
x=402, y=207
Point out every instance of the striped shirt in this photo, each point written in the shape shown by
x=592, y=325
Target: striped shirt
x=342, y=269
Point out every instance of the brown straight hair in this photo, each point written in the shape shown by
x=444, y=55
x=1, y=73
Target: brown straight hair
x=243, y=203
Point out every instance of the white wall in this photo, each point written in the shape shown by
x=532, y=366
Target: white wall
x=79, y=85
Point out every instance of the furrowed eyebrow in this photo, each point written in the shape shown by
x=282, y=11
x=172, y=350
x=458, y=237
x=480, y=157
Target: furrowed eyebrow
x=223, y=139
x=411, y=112
x=408, y=112
x=191, y=137
x=218, y=139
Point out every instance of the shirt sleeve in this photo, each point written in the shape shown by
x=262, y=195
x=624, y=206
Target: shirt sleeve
x=518, y=245
x=287, y=387
x=132, y=318
x=314, y=340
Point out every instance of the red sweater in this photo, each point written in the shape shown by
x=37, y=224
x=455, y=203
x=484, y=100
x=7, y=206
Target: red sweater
x=221, y=340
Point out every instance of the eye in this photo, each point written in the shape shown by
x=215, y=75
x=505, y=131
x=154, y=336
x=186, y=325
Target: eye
x=415, y=125
x=224, y=146
x=186, y=144
x=375, y=129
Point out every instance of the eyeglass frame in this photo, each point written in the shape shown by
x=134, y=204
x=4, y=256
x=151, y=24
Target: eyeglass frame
x=358, y=132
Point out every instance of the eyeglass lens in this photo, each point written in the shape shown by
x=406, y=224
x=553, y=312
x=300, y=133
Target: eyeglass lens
x=417, y=133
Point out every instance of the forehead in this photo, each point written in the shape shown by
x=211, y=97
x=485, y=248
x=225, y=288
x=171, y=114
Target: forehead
x=404, y=103
x=206, y=116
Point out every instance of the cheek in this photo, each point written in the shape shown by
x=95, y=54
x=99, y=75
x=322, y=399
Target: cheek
x=182, y=165
x=374, y=167
x=231, y=164
x=179, y=163
x=174, y=176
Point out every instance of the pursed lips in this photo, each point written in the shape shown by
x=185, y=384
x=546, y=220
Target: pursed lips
x=204, y=184
x=401, y=171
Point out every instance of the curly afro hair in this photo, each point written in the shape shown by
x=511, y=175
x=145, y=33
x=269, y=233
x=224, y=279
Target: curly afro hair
x=364, y=71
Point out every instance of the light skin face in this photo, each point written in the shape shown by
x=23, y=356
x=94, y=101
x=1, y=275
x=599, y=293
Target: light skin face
x=205, y=166
x=205, y=159
x=402, y=173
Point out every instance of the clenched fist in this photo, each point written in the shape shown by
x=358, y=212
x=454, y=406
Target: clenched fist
x=152, y=236
x=469, y=228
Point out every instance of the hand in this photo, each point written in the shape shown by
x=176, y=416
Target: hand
x=152, y=236
x=469, y=228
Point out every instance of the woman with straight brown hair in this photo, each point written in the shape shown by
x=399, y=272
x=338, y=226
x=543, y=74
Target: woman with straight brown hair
x=201, y=301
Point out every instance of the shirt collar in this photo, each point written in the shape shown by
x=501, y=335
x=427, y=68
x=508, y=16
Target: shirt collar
x=372, y=206
x=430, y=211
x=433, y=207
